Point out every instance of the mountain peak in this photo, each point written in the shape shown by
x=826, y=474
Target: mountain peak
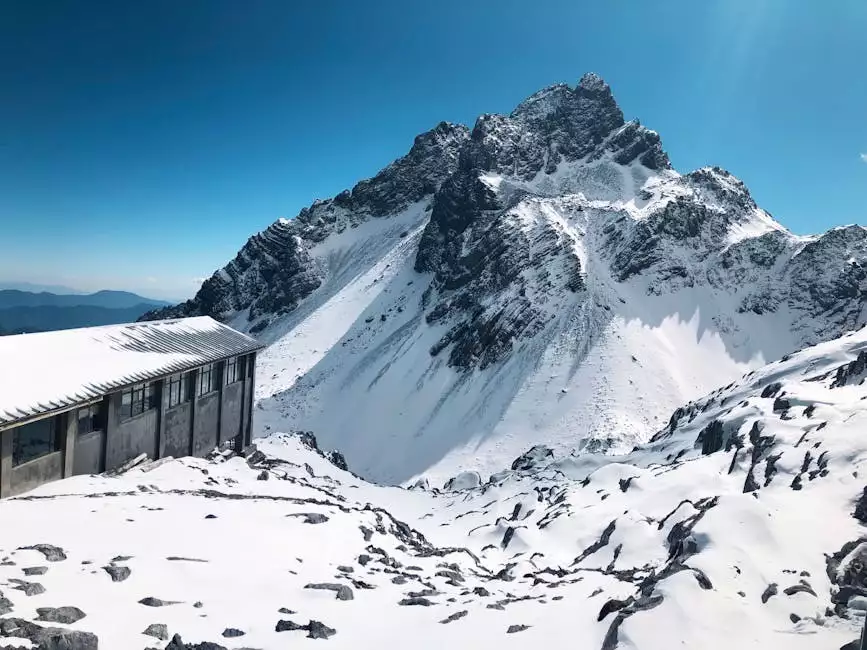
x=592, y=82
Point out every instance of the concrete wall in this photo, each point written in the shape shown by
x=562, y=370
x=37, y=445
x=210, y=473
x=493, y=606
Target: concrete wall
x=36, y=472
x=129, y=438
x=206, y=420
x=177, y=428
x=87, y=455
x=230, y=411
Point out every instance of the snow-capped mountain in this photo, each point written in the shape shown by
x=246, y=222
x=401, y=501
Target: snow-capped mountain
x=544, y=277
x=740, y=524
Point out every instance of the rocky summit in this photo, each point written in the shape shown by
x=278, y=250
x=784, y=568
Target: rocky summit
x=545, y=276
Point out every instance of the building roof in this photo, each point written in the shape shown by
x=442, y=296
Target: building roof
x=48, y=371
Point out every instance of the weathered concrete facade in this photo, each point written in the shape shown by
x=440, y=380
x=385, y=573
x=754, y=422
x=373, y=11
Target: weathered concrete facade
x=195, y=426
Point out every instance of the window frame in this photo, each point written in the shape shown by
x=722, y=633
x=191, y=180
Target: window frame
x=95, y=418
x=178, y=389
x=208, y=371
x=230, y=371
x=53, y=440
x=138, y=399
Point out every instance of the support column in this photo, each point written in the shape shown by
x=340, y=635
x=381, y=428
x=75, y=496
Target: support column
x=69, y=433
x=221, y=372
x=194, y=392
x=161, y=418
x=5, y=463
x=248, y=425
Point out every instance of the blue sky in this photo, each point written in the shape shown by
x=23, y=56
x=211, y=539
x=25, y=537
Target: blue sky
x=141, y=143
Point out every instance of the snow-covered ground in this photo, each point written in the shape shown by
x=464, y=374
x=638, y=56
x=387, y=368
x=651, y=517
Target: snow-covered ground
x=737, y=526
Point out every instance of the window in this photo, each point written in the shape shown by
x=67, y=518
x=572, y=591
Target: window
x=90, y=418
x=34, y=440
x=230, y=372
x=205, y=383
x=242, y=367
x=138, y=399
x=251, y=364
x=179, y=389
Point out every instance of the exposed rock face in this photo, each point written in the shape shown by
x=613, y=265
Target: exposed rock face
x=275, y=269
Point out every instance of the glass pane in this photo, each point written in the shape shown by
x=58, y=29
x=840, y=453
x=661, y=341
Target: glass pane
x=33, y=440
x=97, y=419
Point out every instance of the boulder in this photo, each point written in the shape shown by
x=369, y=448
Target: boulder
x=66, y=614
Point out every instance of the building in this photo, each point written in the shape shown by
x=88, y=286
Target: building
x=88, y=400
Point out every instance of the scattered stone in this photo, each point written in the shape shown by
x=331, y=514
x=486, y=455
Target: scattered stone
x=6, y=605
x=315, y=629
x=399, y=580
x=536, y=457
x=35, y=570
x=263, y=475
x=198, y=604
x=318, y=630
x=150, y=601
x=231, y=632
x=343, y=592
x=29, y=588
x=517, y=628
x=51, y=553
x=794, y=618
x=48, y=638
x=415, y=601
x=796, y=589
x=117, y=573
x=346, y=569
x=481, y=591
x=158, y=631
x=178, y=644
x=451, y=575
x=286, y=610
x=210, y=516
x=454, y=617
x=284, y=625
x=781, y=404
x=613, y=605
x=121, y=558
x=363, y=559
x=66, y=614
x=175, y=558
x=771, y=590
x=311, y=517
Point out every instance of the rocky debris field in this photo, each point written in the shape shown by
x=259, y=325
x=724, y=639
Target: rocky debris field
x=740, y=524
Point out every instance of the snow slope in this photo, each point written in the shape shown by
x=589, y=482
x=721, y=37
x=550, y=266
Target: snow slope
x=740, y=524
x=598, y=368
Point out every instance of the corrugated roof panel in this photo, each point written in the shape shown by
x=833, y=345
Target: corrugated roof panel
x=47, y=371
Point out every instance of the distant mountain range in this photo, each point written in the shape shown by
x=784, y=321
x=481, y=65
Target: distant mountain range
x=25, y=311
x=38, y=288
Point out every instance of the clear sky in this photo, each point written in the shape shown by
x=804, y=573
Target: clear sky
x=141, y=143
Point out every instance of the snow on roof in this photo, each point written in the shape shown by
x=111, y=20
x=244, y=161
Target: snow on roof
x=47, y=371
